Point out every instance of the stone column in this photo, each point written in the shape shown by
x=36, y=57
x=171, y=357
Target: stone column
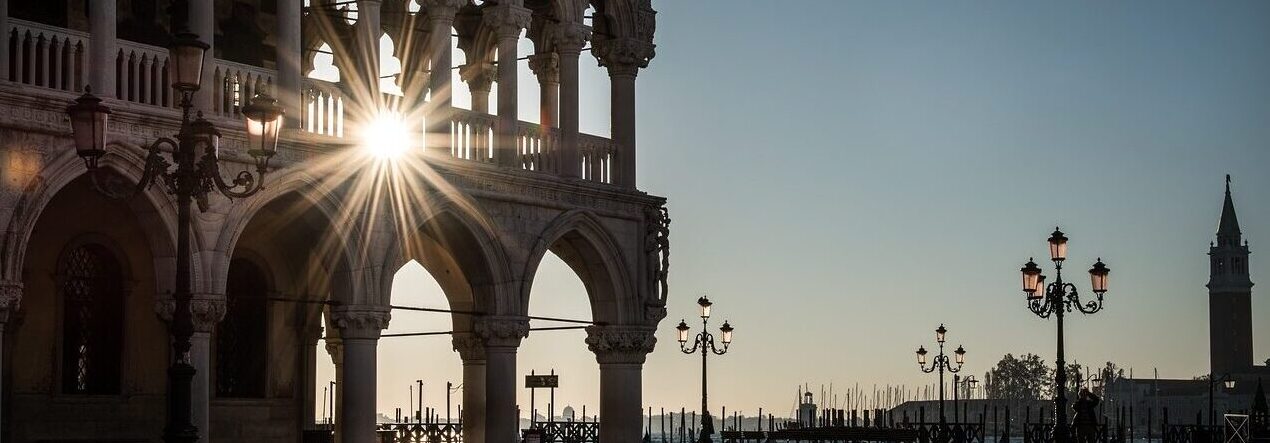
x=472, y=350
x=480, y=77
x=4, y=40
x=202, y=19
x=621, y=351
x=440, y=77
x=570, y=37
x=501, y=336
x=506, y=21
x=10, y=302
x=289, y=58
x=360, y=326
x=547, y=68
x=366, y=35
x=335, y=348
x=623, y=57
x=206, y=311
x=101, y=56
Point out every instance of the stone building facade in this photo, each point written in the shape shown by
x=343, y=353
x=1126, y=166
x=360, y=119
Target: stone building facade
x=302, y=270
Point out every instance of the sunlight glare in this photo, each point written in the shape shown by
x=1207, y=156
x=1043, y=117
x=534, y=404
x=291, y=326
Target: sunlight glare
x=387, y=136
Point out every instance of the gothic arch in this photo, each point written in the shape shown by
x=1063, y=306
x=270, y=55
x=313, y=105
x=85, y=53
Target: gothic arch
x=580, y=239
x=123, y=159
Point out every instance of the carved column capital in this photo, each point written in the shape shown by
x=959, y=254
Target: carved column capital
x=501, y=331
x=360, y=321
x=628, y=344
x=479, y=76
x=546, y=66
x=623, y=56
x=442, y=10
x=507, y=20
x=469, y=346
x=10, y=299
x=335, y=348
x=206, y=310
x=569, y=38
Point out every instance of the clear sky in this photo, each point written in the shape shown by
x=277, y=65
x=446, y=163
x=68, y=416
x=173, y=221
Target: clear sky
x=844, y=176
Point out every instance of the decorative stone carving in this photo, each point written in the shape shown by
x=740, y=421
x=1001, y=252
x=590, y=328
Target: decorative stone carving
x=621, y=344
x=10, y=299
x=335, y=349
x=623, y=56
x=442, y=9
x=206, y=310
x=546, y=67
x=501, y=331
x=364, y=322
x=657, y=249
x=569, y=38
x=469, y=346
x=479, y=76
x=507, y=20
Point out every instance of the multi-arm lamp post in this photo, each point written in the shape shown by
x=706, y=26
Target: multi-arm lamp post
x=941, y=363
x=705, y=342
x=1056, y=299
x=192, y=180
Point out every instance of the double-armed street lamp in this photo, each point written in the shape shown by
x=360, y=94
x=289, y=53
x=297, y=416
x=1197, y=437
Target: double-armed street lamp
x=704, y=341
x=1056, y=299
x=941, y=363
x=1227, y=382
x=195, y=153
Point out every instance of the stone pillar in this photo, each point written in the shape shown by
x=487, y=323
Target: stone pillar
x=289, y=58
x=546, y=67
x=621, y=351
x=335, y=348
x=206, y=311
x=202, y=19
x=472, y=350
x=360, y=326
x=440, y=77
x=570, y=37
x=501, y=336
x=623, y=57
x=101, y=55
x=479, y=77
x=4, y=40
x=10, y=302
x=366, y=35
x=507, y=20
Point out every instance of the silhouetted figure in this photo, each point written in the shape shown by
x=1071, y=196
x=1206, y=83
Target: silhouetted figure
x=1086, y=420
x=707, y=428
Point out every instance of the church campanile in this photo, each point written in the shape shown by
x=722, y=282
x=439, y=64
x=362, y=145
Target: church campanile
x=1229, y=296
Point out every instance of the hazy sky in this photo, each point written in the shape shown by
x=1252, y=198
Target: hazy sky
x=844, y=176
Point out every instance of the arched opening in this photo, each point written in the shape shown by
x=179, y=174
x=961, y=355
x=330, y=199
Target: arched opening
x=594, y=92
x=241, y=355
x=324, y=65
x=276, y=278
x=88, y=325
x=559, y=292
x=91, y=281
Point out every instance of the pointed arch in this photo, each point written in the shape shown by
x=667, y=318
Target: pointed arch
x=580, y=239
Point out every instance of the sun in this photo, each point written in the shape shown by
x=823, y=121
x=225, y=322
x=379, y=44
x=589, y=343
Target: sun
x=387, y=136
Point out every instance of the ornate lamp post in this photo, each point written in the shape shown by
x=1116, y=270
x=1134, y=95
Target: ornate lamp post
x=192, y=180
x=941, y=363
x=1228, y=383
x=705, y=342
x=969, y=384
x=1056, y=299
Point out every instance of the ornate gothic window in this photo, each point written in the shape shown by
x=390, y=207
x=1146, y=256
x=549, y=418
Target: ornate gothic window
x=92, y=320
x=240, y=336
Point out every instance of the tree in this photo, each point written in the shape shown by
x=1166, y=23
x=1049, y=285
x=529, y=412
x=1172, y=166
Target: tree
x=1110, y=375
x=1018, y=378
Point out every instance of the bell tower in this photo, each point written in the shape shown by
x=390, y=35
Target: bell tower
x=1229, y=296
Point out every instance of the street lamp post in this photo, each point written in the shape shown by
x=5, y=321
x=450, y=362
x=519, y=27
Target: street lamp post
x=1056, y=299
x=941, y=363
x=705, y=342
x=1227, y=382
x=191, y=181
x=969, y=382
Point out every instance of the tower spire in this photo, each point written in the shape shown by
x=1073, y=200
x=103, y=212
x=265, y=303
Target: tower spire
x=1228, y=228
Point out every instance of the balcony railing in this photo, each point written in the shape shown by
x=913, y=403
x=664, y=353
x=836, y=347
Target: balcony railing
x=55, y=58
